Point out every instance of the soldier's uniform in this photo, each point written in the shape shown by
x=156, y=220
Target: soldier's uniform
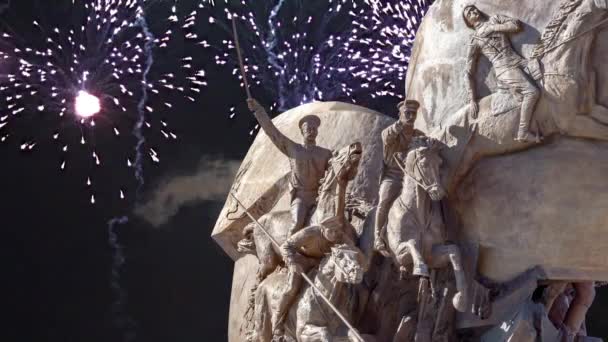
x=307, y=163
x=395, y=138
x=491, y=39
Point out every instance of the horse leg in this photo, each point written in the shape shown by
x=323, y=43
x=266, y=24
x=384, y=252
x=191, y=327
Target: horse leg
x=441, y=256
x=411, y=249
x=261, y=330
x=287, y=297
x=269, y=261
x=583, y=298
x=267, y=265
x=551, y=292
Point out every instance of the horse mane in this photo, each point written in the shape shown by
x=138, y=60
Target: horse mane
x=554, y=27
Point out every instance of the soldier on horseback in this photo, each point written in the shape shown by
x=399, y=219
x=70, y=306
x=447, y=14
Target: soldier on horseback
x=395, y=138
x=307, y=161
x=491, y=38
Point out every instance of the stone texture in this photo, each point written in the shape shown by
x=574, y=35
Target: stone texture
x=546, y=206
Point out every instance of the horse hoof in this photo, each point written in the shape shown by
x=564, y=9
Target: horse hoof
x=421, y=270
x=459, y=301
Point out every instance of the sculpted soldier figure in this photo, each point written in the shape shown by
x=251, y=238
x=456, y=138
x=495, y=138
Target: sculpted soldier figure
x=491, y=38
x=395, y=138
x=304, y=249
x=307, y=161
x=301, y=253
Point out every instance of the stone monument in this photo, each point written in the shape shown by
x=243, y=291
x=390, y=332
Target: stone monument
x=479, y=215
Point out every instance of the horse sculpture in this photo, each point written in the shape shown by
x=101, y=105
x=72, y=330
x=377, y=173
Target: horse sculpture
x=415, y=229
x=311, y=319
x=565, y=76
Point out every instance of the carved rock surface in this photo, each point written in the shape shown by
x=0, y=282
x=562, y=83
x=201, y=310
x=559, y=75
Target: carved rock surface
x=436, y=74
x=525, y=205
x=261, y=183
x=545, y=206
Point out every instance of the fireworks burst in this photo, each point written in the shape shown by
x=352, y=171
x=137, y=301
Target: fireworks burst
x=82, y=82
x=354, y=51
x=92, y=79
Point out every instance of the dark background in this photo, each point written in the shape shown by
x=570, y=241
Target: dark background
x=57, y=262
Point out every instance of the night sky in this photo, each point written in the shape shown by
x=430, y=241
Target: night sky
x=56, y=258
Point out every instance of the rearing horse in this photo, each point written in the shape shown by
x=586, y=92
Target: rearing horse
x=416, y=232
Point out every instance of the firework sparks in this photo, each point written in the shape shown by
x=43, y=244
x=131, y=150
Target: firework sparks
x=354, y=51
x=68, y=82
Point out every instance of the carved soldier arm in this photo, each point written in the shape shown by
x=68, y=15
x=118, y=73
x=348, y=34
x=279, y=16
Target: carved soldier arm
x=505, y=24
x=391, y=133
x=282, y=142
x=289, y=249
x=341, y=200
x=470, y=68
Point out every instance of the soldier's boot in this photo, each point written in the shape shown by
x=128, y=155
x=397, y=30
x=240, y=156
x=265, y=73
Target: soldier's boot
x=420, y=269
x=527, y=110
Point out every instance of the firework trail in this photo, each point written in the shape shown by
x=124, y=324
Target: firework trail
x=122, y=320
x=141, y=106
x=269, y=46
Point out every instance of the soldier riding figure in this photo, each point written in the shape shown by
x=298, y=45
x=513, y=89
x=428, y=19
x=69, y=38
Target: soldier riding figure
x=491, y=38
x=307, y=162
x=395, y=138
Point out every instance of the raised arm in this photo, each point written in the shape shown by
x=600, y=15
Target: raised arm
x=502, y=23
x=283, y=143
x=391, y=133
x=341, y=200
x=470, y=70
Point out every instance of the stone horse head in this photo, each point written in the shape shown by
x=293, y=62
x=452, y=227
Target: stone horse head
x=342, y=168
x=422, y=165
x=316, y=321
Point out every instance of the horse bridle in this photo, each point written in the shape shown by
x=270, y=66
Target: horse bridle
x=420, y=183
